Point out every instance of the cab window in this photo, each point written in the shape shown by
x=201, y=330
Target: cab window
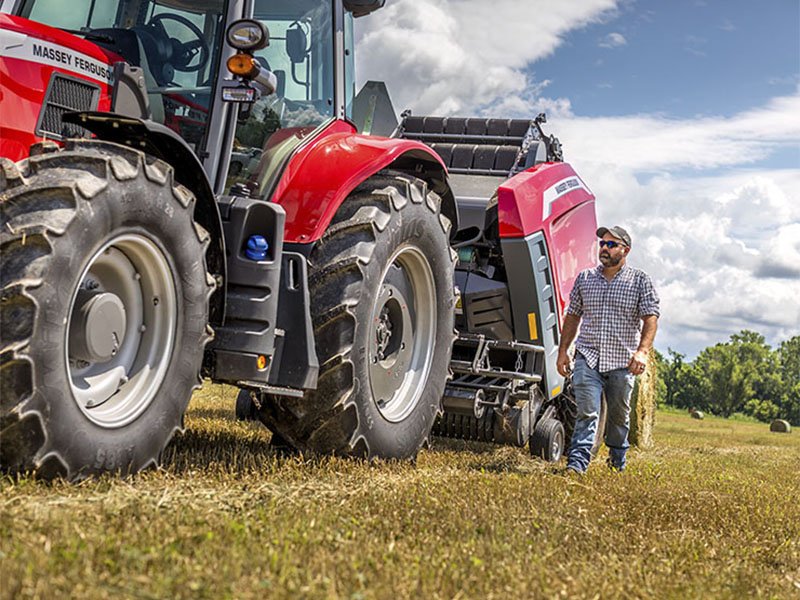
x=301, y=56
x=177, y=44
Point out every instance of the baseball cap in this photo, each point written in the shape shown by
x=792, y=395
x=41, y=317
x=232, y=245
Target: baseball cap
x=618, y=232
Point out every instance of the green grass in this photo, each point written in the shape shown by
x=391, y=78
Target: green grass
x=712, y=511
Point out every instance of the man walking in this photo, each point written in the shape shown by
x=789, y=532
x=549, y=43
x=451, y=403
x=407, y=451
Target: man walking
x=617, y=308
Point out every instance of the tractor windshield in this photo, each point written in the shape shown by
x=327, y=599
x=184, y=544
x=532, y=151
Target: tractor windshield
x=176, y=42
x=301, y=54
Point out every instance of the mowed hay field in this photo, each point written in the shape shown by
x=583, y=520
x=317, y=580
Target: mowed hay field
x=712, y=511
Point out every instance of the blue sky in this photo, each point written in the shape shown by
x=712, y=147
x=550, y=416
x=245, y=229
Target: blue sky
x=682, y=116
x=681, y=58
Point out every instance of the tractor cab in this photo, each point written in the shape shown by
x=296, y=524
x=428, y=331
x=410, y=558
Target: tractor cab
x=181, y=51
x=301, y=54
x=177, y=45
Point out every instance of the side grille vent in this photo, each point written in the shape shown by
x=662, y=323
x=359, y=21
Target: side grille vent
x=66, y=94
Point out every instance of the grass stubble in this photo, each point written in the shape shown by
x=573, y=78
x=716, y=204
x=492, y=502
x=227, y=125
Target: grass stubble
x=711, y=511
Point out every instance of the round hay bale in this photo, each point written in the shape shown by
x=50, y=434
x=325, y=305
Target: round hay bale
x=698, y=414
x=643, y=407
x=780, y=426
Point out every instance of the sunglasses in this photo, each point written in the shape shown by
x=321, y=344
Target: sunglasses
x=610, y=245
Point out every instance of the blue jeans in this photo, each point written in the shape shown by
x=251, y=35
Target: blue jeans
x=589, y=384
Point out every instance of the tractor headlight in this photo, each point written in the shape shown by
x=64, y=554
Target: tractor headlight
x=248, y=35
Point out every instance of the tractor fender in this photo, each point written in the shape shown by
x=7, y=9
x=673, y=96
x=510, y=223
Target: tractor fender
x=322, y=173
x=163, y=143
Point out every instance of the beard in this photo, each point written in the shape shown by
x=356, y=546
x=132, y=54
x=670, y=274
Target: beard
x=608, y=261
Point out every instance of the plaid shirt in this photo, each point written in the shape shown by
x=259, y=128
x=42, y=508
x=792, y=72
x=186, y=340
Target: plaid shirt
x=611, y=313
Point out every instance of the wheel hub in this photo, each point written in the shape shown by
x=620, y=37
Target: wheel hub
x=98, y=327
x=121, y=331
x=392, y=324
x=403, y=321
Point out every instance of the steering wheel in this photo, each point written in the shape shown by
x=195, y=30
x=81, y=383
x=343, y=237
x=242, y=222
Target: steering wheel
x=183, y=53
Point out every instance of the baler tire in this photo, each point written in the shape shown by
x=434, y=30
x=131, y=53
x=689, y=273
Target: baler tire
x=568, y=411
x=601, y=426
x=245, y=407
x=547, y=441
x=390, y=234
x=97, y=219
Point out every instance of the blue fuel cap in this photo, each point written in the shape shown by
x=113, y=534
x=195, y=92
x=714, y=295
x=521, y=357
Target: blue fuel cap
x=257, y=248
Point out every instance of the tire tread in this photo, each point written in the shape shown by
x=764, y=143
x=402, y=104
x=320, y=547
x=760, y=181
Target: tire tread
x=39, y=198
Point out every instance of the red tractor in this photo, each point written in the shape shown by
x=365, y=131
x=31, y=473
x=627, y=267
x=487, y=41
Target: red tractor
x=185, y=194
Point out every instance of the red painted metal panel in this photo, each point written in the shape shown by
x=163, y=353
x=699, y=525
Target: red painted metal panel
x=532, y=198
x=571, y=239
x=25, y=74
x=552, y=198
x=322, y=174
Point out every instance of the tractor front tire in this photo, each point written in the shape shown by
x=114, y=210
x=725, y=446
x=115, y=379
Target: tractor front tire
x=104, y=310
x=382, y=301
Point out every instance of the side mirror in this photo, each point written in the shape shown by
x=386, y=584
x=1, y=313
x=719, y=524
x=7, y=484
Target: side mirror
x=359, y=8
x=248, y=35
x=296, y=44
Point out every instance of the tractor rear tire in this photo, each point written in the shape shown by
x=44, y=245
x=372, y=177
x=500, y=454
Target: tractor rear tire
x=104, y=310
x=382, y=301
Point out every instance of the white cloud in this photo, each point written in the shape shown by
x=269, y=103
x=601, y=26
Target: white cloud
x=720, y=236
x=652, y=142
x=724, y=251
x=613, y=40
x=460, y=56
x=724, y=248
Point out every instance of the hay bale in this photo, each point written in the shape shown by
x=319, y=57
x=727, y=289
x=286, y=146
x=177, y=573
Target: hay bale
x=698, y=414
x=643, y=407
x=780, y=426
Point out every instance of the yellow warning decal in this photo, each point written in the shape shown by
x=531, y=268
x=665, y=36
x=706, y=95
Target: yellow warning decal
x=534, y=331
x=556, y=391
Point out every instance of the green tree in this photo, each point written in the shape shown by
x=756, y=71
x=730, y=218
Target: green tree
x=738, y=371
x=789, y=361
x=743, y=374
x=684, y=383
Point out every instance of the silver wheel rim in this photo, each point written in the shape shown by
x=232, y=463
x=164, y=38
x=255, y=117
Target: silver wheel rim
x=556, y=445
x=402, y=334
x=131, y=272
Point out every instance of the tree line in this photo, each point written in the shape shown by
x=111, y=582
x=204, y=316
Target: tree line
x=743, y=375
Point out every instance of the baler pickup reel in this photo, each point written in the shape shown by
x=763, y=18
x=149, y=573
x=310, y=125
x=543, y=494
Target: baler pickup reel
x=492, y=396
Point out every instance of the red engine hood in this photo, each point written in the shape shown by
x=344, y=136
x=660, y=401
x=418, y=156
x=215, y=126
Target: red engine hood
x=29, y=54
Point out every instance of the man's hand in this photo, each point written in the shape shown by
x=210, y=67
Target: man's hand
x=563, y=363
x=568, y=333
x=638, y=362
